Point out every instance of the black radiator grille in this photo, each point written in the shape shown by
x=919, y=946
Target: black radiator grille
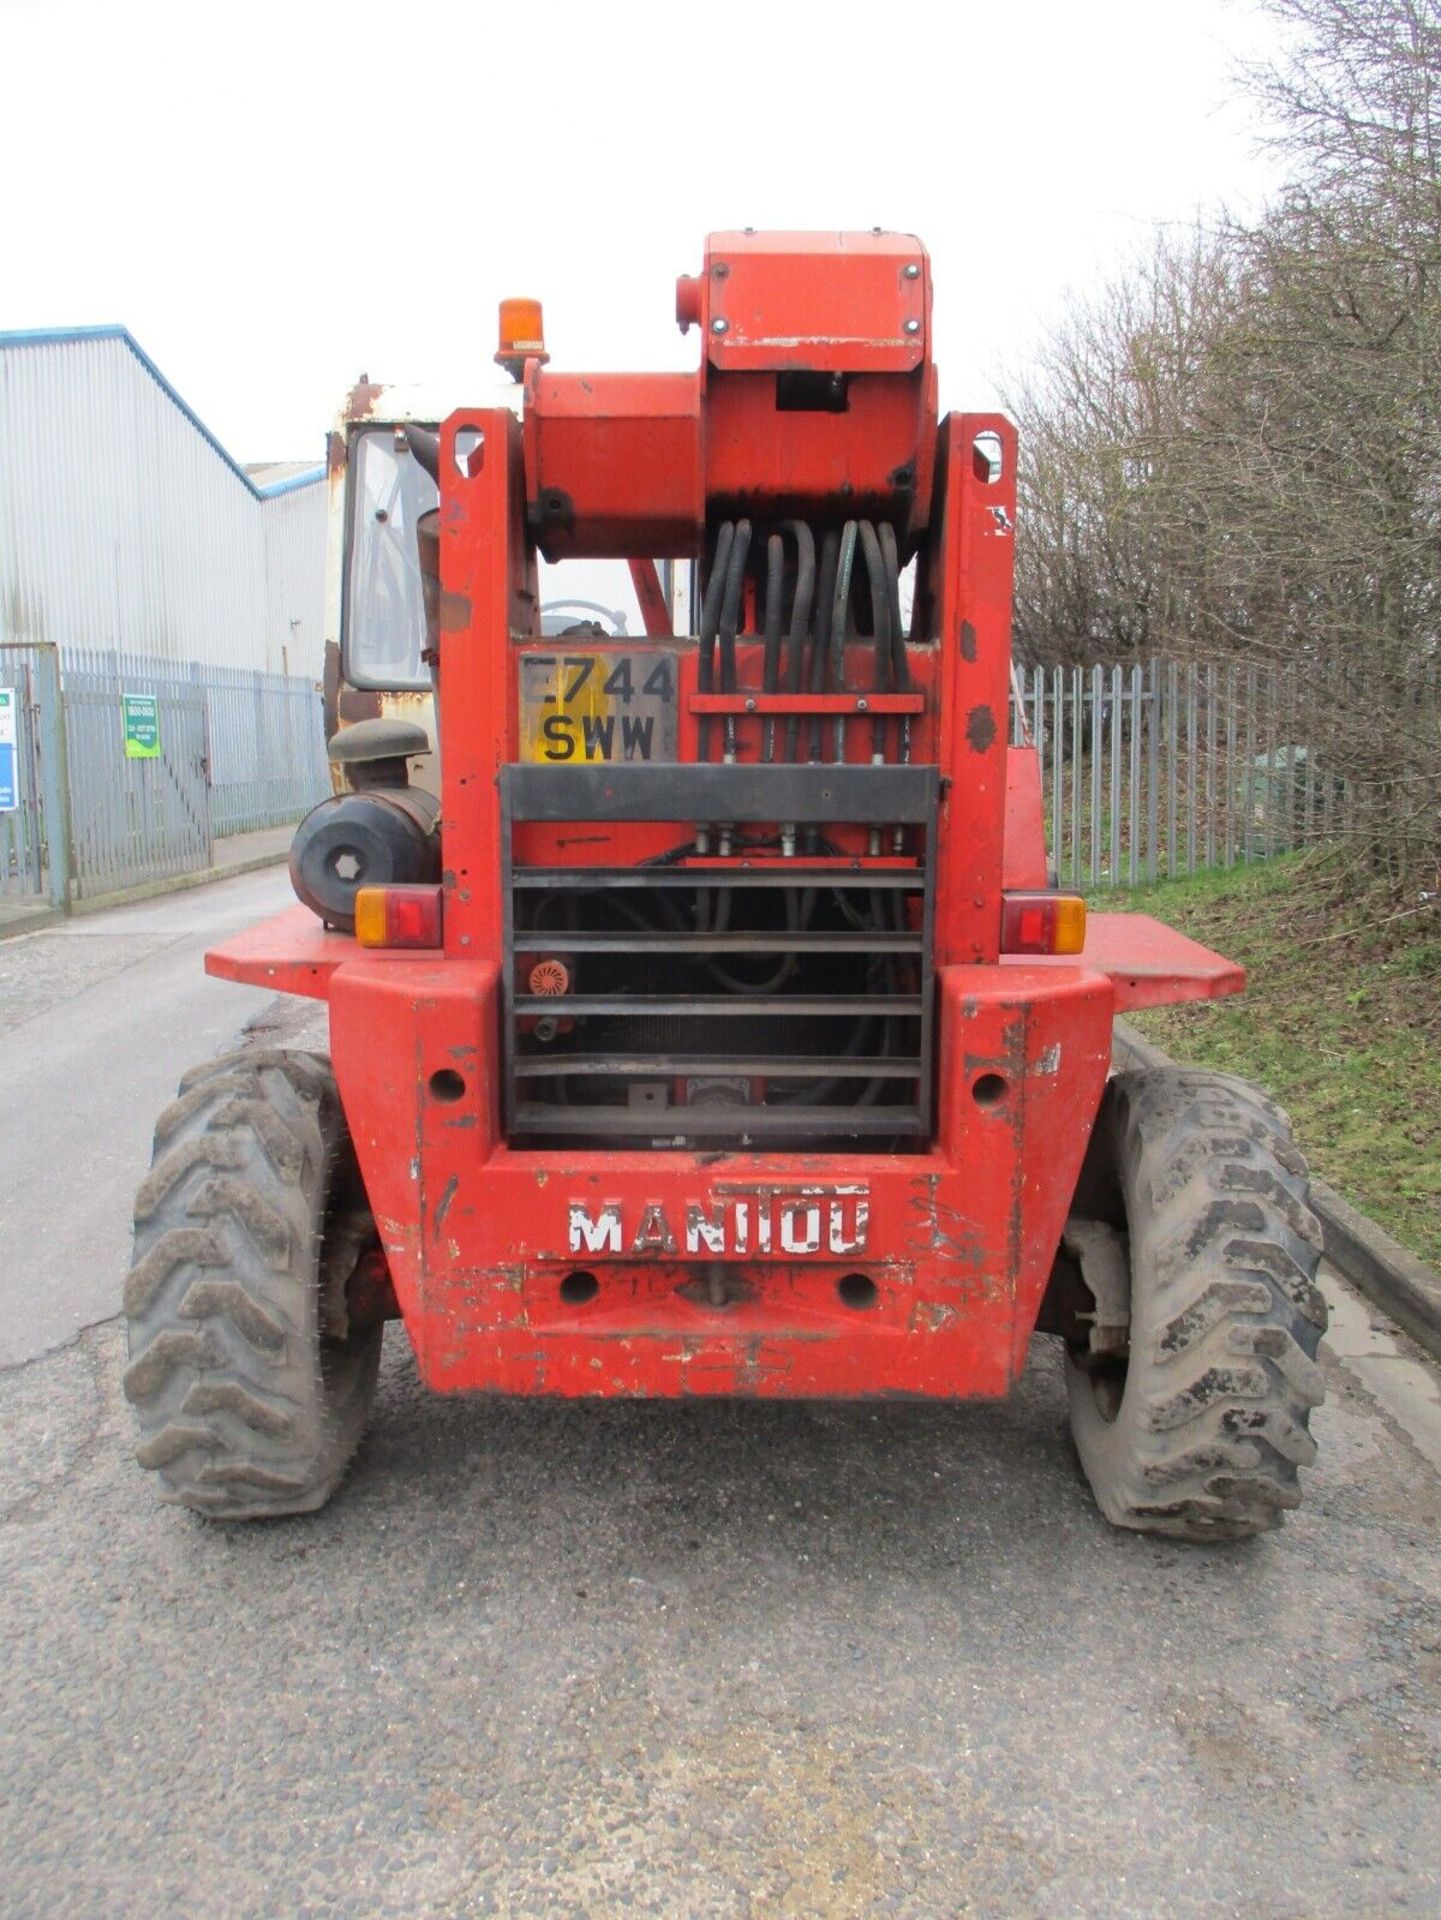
x=788, y=1004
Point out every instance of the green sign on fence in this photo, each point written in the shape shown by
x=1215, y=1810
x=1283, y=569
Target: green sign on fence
x=141, y=713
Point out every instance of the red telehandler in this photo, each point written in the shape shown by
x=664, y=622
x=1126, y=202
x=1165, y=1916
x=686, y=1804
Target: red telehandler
x=710, y=1025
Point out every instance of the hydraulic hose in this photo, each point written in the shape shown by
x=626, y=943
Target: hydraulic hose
x=730, y=621
x=830, y=559
x=840, y=624
x=775, y=574
x=828, y=663
x=735, y=573
x=824, y=590
x=900, y=656
x=798, y=910
x=800, y=626
x=710, y=623
x=881, y=622
x=771, y=671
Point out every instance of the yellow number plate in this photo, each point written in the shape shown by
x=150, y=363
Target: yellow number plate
x=583, y=708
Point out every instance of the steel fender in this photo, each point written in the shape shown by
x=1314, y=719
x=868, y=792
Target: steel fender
x=1025, y=1052
x=413, y=1049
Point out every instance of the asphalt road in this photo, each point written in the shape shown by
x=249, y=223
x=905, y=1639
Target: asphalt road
x=98, y=1020
x=711, y=1660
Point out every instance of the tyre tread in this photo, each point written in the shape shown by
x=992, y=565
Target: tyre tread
x=239, y=1415
x=1222, y=1375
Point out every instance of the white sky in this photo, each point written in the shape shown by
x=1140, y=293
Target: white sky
x=275, y=196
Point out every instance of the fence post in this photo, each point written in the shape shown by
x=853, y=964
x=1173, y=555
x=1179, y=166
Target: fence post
x=1153, y=774
x=1076, y=739
x=1097, y=747
x=1117, y=720
x=1058, y=747
x=1211, y=764
x=1249, y=823
x=1191, y=749
x=1134, y=810
x=55, y=775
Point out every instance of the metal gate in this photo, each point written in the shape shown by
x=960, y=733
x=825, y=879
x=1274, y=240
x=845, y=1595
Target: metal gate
x=32, y=850
x=134, y=820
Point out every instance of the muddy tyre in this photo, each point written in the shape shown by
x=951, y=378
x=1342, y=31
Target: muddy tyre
x=250, y=1390
x=1199, y=1430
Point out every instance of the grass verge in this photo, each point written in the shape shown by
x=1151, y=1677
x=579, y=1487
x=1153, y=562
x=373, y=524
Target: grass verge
x=1341, y=1022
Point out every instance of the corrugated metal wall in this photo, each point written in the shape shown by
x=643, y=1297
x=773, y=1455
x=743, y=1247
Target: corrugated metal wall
x=123, y=524
x=294, y=526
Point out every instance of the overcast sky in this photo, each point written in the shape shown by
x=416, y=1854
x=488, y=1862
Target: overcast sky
x=275, y=196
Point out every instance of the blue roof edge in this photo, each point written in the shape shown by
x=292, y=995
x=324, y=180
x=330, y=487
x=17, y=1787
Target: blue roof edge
x=60, y=336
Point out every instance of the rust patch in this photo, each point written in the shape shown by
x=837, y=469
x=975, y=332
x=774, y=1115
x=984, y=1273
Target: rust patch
x=335, y=453
x=968, y=642
x=980, y=729
x=330, y=689
x=360, y=401
x=358, y=703
x=455, y=612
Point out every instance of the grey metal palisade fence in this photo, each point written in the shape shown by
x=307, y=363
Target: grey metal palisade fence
x=1156, y=768
x=1149, y=769
x=239, y=751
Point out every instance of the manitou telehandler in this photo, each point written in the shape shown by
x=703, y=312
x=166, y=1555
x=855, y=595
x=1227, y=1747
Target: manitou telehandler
x=709, y=1026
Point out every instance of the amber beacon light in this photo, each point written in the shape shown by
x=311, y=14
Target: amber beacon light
x=522, y=335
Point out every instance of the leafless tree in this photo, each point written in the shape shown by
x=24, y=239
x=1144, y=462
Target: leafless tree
x=1235, y=448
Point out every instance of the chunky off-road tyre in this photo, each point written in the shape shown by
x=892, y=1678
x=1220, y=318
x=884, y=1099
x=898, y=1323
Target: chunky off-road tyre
x=251, y=1392
x=1198, y=1431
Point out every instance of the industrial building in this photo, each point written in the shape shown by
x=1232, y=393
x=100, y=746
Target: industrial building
x=144, y=571
x=127, y=525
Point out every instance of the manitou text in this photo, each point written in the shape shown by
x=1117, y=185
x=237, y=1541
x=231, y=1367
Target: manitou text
x=826, y=1221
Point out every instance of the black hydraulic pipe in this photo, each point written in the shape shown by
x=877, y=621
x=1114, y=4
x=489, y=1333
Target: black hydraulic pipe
x=730, y=621
x=795, y=924
x=801, y=605
x=826, y=586
x=775, y=574
x=837, y=561
x=840, y=623
x=710, y=623
x=900, y=655
x=881, y=622
x=731, y=604
x=711, y=605
x=800, y=622
x=840, y=607
x=771, y=670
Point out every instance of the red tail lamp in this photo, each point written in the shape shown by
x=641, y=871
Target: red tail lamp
x=398, y=916
x=1042, y=923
